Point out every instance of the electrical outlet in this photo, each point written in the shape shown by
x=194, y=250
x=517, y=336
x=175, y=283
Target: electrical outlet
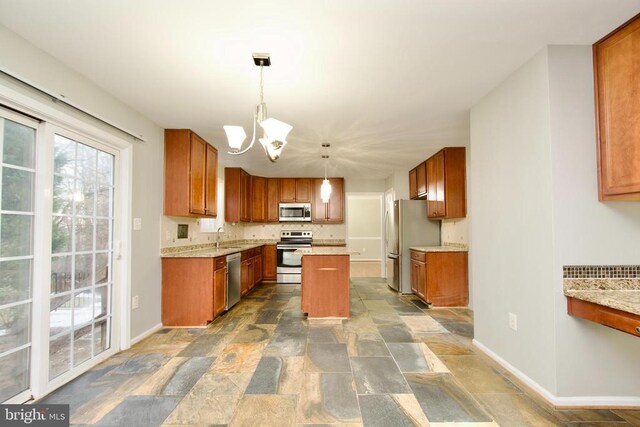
x=135, y=302
x=513, y=321
x=137, y=223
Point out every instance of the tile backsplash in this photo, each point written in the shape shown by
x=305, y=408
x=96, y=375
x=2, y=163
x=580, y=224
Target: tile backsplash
x=240, y=231
x=601, y=271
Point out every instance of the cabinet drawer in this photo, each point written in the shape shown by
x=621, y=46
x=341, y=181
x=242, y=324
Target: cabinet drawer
x=257, y=251
x=619, y=321
x=220, y=262
x=418, y=256
x=245, y=255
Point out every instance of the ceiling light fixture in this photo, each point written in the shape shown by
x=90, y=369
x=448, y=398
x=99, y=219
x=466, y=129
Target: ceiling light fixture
x=325, y=188
x=274, y=131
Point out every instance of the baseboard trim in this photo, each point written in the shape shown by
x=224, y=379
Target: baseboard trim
x=562, y=402
x=146, y=334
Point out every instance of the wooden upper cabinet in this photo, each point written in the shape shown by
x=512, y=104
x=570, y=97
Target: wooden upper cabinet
x=273, y=199
x=413, y=183
x=616, y=70
x=237, y=195
x=259, y=198
x=211, y=182
x=333, y=211
x=446, y=186
x=190, y=175
x=421, y=180
x=295, y=190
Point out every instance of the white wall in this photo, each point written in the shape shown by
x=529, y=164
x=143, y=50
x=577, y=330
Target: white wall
x=511, y=222
x=592, y=360
x=20, y=58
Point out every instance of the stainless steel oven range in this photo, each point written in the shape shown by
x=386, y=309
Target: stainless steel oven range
x=289, y=269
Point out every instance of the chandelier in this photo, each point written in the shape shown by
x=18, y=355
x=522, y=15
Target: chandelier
x=274, y=131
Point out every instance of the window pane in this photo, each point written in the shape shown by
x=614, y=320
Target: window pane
x=105, y=169
x=101, y=303
x=59, y=356
x=17, y=190
x=84, y=197
x=61, y=234
x=15, y=235
x=84, y=234
x=103, y=234
x=82, y=345
x=60, y=315
x=14, y=373
x=84, y=270
x=15, y=328
x=104, y=205
x=102, y=268
x=82, y=307
x=63, y=194
x=101, y=337
x=15, y=281
x=64, y=155
x=61, y=274
x=18, y=145
x=86, y=163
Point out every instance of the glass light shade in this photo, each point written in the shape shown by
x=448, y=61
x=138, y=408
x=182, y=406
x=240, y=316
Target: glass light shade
x=325, y=190
x=275, y=129
x=235, y=136
x=273, y=148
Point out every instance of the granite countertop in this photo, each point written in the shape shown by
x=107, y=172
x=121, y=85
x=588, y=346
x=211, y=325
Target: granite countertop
x=621, y=294
x=212, y=252
x=325, y=250
x=439, y=249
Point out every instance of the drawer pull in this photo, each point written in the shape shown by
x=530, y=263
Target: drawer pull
x=638, y=329
x=328, y=269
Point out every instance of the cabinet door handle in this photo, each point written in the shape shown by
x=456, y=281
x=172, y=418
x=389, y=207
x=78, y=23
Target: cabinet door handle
x=328, y=269
x=638, y=329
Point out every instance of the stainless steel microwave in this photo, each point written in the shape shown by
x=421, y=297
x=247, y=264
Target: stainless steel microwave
x=295, y=212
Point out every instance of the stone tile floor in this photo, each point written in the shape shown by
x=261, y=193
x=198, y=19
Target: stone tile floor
x=392, y=363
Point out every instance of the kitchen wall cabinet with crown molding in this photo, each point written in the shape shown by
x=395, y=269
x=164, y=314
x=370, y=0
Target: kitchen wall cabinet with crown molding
x=617, y=86
x=295, y=190
x=446, y=184
x=190, y=175
x=237, y=195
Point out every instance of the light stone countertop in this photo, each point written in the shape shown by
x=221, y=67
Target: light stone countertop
x=624, y=300
x=326, y=250
x=438, y=249
x=212, y=252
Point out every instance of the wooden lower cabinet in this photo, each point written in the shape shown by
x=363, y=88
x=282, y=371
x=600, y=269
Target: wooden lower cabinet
x=246, y=276
x=192, y=291
x=325, y=285
x=269, y=263
x=219, y=286
x=257, y=269
x=440, y=278
x=607, y=316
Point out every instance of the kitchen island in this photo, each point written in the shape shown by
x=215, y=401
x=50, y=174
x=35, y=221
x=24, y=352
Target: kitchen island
x=325, y=281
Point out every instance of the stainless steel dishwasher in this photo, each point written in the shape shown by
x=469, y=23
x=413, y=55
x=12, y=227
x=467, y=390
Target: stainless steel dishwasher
x=233, y=280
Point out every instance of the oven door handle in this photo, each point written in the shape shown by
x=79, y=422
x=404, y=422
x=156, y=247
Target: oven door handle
x=292, y=246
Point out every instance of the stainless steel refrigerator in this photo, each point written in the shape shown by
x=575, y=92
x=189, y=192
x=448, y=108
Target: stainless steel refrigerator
x=406, y=225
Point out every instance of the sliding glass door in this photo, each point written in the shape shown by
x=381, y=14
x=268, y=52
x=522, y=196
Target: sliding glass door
x=58, y=197
x=17, y=156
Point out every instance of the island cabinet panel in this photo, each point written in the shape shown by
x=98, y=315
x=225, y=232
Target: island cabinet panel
x=237, y=195
x=273, y=200
x=190, y=174
x=295, y=190
x=187, y=291
x=270, y=262
x=446, y=184
x=616, y=70
x=440, y=278
x=325, y=285
x=259, y=197
x=333, y=210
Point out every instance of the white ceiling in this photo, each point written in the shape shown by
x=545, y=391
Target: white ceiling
x=386, y=82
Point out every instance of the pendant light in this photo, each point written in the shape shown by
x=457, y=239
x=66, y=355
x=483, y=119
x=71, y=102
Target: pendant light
x=325, y=188
x=274, y=131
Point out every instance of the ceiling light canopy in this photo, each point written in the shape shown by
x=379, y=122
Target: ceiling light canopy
x=274, y=131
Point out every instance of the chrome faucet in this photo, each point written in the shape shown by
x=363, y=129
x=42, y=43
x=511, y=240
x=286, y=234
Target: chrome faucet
x=218, y=237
